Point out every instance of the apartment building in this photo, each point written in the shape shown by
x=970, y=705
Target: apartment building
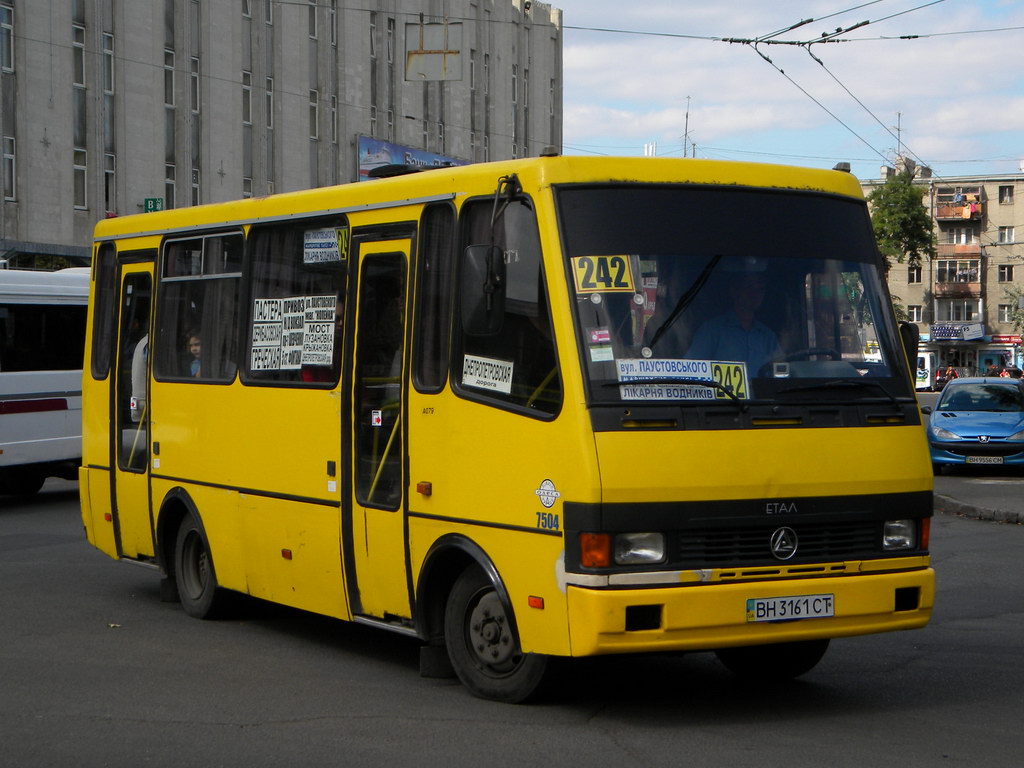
x=965, y=298
x=114, y=107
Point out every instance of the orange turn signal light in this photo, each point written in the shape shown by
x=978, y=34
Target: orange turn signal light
x=595, y=550
x=535, y=602
x=926, y=532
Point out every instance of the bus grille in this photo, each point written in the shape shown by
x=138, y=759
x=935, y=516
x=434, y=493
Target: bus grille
x=752, y=545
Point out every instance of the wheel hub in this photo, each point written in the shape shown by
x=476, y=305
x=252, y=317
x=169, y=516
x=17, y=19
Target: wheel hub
x=490, y=636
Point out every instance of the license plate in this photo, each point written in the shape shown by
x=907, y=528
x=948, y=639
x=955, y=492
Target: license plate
x=790, y=608
x=984, y=459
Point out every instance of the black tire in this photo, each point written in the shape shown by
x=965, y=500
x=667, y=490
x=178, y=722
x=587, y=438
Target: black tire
x=194, y=573
x=773, y=663
x=18, y=481
x=482, y=645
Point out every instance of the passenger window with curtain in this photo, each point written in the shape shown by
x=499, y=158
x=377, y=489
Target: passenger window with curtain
x=433, y=298
x=516, y=365
x=197, y=312
x=297, y=305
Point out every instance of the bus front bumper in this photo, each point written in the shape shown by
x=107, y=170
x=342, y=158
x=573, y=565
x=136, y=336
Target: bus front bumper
x=719, y=615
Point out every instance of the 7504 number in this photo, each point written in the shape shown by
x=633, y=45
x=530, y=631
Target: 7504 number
x=547, y=521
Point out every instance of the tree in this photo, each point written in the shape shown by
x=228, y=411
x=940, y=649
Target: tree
x=901, y=222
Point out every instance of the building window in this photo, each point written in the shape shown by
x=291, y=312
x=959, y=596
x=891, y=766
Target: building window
x=332, y=18
x=246, y=187
x=957, y=271
x=373, y=121
x=962, y=236
x=1006, y=235
x=914, y=274
x=80, y=165
x=195, y=186
x=9, y=169
x=487, y=148
x=110, y=182
x=487, y=73
x=78, y=54
x=391, y=41
x=440, y=138
x=247, y=8
x=1005, y=313
x=194, y=85
x=168, y=186
x=957, y=310
x=391, y=125
x=247, y=98
x=312, y=19
x=515, y=83
x=168, y=77
x=314, y=114
x=334, y=119
x=270, y=102
x=6, y=38
x=915, y=312
x=108, y=63
x=373, y=35
x=1006, y=194
x=1006, y=273
x=268, y=11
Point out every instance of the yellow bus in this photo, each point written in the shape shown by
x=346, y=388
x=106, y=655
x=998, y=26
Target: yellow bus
x=554, y=407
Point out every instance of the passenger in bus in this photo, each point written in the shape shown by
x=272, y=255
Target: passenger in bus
x=737, y=335
x=195, y=348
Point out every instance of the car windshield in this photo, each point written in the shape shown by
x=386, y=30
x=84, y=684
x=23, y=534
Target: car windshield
x=697, y=294
x=982, y=397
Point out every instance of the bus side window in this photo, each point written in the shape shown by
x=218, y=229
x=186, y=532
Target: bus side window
x=198, y=301
x=517, y=365
x=433, y=298
x=104, y=293
x=294, y=321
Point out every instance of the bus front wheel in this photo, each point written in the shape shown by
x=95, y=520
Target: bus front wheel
x=482, y=645
x=773, y=663
x=193, y=572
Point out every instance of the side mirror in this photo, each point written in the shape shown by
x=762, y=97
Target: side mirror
x=926, y=409
x=911, y=338
x=482, y=290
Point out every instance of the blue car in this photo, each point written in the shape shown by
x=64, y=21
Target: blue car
x=978, y=421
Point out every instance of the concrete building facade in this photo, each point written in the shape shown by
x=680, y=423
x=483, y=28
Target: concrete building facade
x=965, y=300
x=114, y=107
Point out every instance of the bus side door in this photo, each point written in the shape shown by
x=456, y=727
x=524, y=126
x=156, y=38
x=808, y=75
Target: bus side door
x=375, y=545
x=129, y=409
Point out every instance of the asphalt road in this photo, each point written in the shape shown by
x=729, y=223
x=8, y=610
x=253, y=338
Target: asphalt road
x=96, y=671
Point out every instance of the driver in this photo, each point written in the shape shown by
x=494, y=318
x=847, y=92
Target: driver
x=737, y=335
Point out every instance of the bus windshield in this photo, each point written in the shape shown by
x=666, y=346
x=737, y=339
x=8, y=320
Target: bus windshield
x=700, y=295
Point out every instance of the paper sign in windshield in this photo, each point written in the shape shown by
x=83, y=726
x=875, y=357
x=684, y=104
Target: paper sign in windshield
x=485, y=373
x=322, y=245
x=292, y=332
x=643, y=379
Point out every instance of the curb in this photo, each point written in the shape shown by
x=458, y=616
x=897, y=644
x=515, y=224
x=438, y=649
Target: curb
x=947, y=505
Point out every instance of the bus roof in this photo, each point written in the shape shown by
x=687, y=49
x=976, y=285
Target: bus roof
x=65, y=286
x=450, y=182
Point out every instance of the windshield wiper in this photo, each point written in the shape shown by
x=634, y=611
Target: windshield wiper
x=669, y=380
x=841, y=384
x=684, y=301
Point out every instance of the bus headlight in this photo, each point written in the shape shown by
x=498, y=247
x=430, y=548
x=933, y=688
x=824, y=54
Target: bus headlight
x=899, y=534
x=639, y=548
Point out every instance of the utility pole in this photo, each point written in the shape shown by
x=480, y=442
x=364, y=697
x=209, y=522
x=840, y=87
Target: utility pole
x=686, y=126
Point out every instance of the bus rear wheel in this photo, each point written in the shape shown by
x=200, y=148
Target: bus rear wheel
x=482, y=645
x=193, y=573
x=773, y=663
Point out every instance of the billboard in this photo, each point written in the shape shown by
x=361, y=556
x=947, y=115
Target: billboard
x=374, y=153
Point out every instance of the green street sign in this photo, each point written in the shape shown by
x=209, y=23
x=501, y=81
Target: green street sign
x=153, y=204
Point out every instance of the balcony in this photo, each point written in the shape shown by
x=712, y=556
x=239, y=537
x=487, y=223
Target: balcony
x=950, y=250
x=957, y=290
x=959, y=212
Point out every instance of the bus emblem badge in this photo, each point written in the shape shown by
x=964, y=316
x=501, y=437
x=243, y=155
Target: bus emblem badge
x=547, y=494
x=783, y=543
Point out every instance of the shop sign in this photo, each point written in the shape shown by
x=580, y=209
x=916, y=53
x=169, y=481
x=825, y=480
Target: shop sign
x=957, y=331
x=1003, y=339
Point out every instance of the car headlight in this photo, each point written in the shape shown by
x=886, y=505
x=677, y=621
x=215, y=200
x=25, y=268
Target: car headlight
x=639, y=548
x=1017, y=436
x=945, y=434
x=899, y=534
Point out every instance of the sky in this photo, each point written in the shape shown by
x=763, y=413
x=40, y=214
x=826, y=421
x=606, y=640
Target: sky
x=951, y=98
